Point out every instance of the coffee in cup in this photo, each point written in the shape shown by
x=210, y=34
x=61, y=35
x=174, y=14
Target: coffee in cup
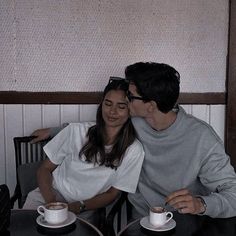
x=158, y=216
x=54, y=212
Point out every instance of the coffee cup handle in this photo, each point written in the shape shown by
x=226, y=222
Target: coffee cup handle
x=170, y=216
x=41, y=210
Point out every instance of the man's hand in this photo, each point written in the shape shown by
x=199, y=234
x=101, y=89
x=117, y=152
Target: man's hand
x=40, y=134
x=183, y=201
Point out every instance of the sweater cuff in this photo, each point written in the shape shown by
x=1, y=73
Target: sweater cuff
x=212, y=207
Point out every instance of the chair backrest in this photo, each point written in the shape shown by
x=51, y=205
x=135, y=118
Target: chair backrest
x=28, y=157
x=26, y=152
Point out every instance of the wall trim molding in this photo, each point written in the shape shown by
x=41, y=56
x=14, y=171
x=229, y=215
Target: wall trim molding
x=14, y=97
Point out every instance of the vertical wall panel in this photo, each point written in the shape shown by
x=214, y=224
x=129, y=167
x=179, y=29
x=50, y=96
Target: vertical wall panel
x=2, y=146
x=51, y=115
x=13, y=127
x=217, y=119
x=201, y=112
x=32, y=118
x=88, y=113
x=69, y=113
x=187, y=108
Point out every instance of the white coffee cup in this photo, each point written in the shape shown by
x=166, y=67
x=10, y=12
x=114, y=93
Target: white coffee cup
x=158, y=216
x=54, y=212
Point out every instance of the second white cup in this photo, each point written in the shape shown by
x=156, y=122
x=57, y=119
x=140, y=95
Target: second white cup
x=158, y=216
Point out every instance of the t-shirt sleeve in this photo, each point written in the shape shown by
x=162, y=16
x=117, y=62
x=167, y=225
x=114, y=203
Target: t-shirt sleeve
x=128, y=172
x=58, y=148
x=55, y=130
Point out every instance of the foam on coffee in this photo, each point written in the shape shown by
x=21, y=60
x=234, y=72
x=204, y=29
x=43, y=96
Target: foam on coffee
x=157, y=209
x=55, y=206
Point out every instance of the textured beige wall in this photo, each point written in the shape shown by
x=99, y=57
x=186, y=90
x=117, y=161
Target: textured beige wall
x=75, y=45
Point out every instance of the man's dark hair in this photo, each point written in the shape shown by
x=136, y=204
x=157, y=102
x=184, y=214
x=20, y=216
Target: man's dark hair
x=155, y=81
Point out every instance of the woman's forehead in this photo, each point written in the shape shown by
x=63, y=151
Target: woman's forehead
x=116, y=95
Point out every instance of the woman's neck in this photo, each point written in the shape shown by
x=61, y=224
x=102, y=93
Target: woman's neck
x=110, y=135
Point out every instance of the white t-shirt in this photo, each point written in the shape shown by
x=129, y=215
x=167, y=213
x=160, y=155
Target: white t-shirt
x=77, y=179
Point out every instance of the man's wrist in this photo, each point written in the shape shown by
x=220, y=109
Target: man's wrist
x=203, y=205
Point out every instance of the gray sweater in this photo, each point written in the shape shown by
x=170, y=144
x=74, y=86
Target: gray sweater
x=189, y=154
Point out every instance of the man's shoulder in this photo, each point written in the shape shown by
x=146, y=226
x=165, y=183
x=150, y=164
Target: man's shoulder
x=199, y=127
x=137, y=120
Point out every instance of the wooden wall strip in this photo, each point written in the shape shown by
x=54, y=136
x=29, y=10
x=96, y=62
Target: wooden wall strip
x=13, y=97
x=230, y=129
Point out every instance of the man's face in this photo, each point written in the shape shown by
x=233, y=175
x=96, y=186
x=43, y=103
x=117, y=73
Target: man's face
x=137, y=107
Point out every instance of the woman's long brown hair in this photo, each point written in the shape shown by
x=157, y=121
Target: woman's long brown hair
x=94, y=148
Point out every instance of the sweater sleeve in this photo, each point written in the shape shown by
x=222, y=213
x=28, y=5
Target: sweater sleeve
x=218, y=175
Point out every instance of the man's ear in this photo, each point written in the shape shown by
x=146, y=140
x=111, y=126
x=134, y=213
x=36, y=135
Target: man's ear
x=152, y=106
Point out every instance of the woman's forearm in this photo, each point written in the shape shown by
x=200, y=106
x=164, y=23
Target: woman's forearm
x=44, y=177
x=100, y=200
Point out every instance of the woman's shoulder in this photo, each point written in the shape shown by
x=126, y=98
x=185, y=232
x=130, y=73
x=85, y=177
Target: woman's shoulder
x=80, y=128
x=136, y=148
x=81, y=125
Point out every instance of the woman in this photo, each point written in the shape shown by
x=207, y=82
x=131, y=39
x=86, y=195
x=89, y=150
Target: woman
x=89, y=164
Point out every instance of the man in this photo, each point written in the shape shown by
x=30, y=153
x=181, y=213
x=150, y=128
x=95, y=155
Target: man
x=185, y=166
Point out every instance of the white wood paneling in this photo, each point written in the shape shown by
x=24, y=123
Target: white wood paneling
x=2, y=146
x=217, y=119
x=69, y=113
x=13, y=122
x=19, y=120
x=32, y=117
x=88, y=113
x=201, y=112
x=51, y=115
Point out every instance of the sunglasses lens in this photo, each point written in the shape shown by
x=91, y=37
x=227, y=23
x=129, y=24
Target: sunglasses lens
x=115, y=79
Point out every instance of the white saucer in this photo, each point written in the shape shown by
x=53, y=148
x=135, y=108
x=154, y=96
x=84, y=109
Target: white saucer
x=71, y=219
x=146, y=224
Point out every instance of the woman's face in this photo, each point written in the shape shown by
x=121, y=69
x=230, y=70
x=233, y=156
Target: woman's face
x=115, y=109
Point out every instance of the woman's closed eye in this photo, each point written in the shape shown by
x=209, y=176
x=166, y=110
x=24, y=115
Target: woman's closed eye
x=121, y=106
x=107, y=103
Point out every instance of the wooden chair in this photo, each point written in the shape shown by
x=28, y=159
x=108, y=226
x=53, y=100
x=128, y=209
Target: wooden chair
x=28, y=157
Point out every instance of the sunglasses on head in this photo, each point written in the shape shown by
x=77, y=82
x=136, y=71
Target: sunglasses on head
x=113, y=78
